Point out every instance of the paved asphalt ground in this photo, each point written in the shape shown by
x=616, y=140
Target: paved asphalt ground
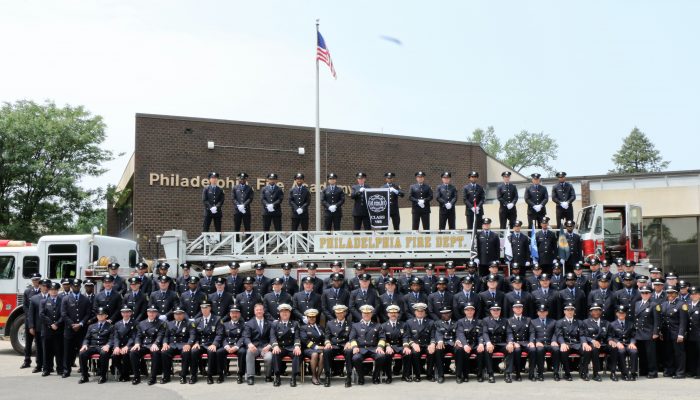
x=22, y=384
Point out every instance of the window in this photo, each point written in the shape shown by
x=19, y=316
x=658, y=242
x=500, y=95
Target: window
x=95, y=253
x=635, y=221
x=7, y=267
x=586, y=220
x=63, y=260
x=132, y=258
x=672, y=243
x=30, y=266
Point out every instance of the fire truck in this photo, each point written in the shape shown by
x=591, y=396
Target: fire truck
x=54, y=257
x=613, y=231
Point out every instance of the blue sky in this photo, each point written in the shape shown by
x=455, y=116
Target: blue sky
x=585, y=72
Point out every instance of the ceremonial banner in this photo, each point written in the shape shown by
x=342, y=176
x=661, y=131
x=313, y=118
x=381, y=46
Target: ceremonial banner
x=377, y=201
x=421, y=242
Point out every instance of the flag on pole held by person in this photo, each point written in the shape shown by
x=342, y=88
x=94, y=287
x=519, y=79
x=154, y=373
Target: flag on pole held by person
x=507, y=247
x=323, y=54
x=563, y=245
x=533, y=244
x=474, y=250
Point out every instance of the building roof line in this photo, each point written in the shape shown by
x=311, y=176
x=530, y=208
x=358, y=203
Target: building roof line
x=304, y=128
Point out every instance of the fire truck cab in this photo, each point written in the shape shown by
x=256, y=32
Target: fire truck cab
x=54, y=257
x=612, y=231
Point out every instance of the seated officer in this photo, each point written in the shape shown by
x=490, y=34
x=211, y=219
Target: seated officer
x=96, y=342
x=365, y=339
x=256, y=337
x=337, y=343
x=393, y=334
x=149, y=336
x=312, y=341
x=445, y=336
x=569, y=333
x=469, y=341
x=178, y=340
x=419, y=335
x=595, y=339
x=542, y=340
x=495, y=340
x=208, y=329
x=232, y=343
x=622, y=342
x=284, y=339
x=518, y=336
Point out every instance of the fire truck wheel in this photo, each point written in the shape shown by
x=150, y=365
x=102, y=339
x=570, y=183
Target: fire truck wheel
x=17, y=334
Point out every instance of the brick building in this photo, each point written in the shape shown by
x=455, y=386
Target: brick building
x=173, y=155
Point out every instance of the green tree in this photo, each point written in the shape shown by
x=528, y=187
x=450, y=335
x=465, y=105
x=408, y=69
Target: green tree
x=523, y=151
x=45, y=151
x=488, y=140
x=637, y=154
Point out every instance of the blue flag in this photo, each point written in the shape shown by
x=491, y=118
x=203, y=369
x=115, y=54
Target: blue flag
x=533, y=245
x=563, y=245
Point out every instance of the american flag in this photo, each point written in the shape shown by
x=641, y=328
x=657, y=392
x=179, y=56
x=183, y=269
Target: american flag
x=323, y=54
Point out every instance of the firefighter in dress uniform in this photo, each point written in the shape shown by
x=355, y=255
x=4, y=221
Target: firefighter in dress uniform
x=446, y=196
x=394, y=193
x=474, y=196
x=213, y=200
x=420, y=195
x=536, y=197
x=507, y=196
x=332, y=199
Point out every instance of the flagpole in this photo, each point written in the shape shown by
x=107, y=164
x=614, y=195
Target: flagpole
x=317, y=149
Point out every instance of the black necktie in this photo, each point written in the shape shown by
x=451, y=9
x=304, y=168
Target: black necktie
x=99, y=327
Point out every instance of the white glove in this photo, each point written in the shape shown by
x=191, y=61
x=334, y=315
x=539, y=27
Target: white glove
x=332, y=208
x=241, y=208
x=362, y=189
x=270, y=207
x=475, y=210
x=213, y=210
x=394, y=191
x=162, y=317
x=476, y=260
x=527, y=263
x=448, y=206
x=509, y=206
x=305, y=319
x=564, y=205
x=421, y=203
x=300, y=211
x=537, y=207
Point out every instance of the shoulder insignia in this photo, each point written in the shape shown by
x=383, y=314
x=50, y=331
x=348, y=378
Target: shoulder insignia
x=658, y=307
x=617, y=279
x=684, y=307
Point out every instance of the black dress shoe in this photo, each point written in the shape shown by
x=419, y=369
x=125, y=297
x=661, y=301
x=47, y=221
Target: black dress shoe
x=417, y=379
x=220, y=379
x=406, y=379
x=441, y=380
x=45, y=373
x=492, y=379
x=667, y=375
x=65, y=375
x=192, y=380
x=568, y=377
x=348, y=382
x=151, y=382
x=327, y=382
x=556, y=377
x=518, y=378
x=25, y=364
x=652, y=376
x=164, y=380
x=361, y=380
x=210, y=380
x=376, y=380
x=293, y=382
x=613, y=377
x=388, y=380
x=597, y=378
x=585, y=377
x=678, y=376
x=83, y=379
x=36, y=370
x=183, y=380
x=540, y=377
x=480, y=378
x=634, y=377
x=277, y=381
x=251, y=380
x=135, y=381
x=531, y=378
x=508, y=379
x=459, y=379
x=239, y=379
x=431, y=378
x=103, y=379
x=268, y=379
